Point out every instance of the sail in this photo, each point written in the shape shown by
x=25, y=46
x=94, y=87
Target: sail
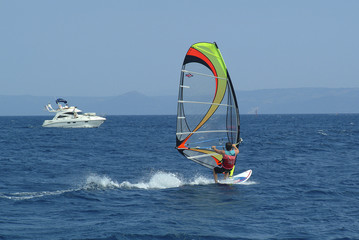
x=207, y=110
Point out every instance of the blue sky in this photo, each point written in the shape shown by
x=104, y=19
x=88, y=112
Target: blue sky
x=107, y=48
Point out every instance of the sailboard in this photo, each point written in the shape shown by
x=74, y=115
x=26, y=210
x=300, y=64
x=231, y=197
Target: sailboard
x=238, y=179
x=207, y=109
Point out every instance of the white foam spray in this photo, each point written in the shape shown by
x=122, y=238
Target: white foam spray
x=164, y=180
x=158, y=180
x=95, y=181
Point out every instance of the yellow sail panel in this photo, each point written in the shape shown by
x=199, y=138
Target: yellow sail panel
x=209, y=53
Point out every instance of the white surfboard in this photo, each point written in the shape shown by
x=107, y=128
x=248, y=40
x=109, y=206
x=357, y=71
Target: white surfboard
x=238, y=179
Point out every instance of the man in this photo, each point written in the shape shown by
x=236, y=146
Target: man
x=228, y=160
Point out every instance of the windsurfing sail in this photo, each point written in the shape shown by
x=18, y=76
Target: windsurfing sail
x=207, y=110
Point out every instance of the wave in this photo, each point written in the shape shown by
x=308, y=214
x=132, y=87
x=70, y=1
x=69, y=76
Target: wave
x=322, y=132
x=158, y=180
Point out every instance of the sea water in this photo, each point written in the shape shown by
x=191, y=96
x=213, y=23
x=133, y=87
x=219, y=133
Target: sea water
x=125, y=180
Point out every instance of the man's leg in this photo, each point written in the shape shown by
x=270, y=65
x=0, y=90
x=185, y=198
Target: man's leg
x=215, y=176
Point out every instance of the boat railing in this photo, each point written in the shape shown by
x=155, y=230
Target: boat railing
x=90, y=114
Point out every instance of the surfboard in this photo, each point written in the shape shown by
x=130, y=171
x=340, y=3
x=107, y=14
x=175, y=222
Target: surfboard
x=238, y=179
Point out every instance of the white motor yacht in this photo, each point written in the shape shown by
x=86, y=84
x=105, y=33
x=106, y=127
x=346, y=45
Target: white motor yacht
x=71, y=117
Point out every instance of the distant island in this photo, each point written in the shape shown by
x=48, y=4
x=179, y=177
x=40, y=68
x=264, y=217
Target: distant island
x=267, y=101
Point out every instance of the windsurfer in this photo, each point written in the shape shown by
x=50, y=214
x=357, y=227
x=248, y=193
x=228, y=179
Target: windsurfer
x=228, y=160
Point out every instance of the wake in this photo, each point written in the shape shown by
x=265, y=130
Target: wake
x=163, y=180
x=94, y=182
x=31, y=195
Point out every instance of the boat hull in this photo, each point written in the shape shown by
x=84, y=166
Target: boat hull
x=74, y=123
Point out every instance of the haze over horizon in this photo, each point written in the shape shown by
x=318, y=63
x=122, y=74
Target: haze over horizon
x=108, y=48
x=266, y=101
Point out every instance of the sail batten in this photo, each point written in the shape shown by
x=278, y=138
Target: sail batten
x=211, y=103
x=207, y=109
x=213, y=131
x=185, y=71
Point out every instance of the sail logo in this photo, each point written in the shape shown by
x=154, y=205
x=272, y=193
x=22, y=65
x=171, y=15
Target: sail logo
x=189, y=75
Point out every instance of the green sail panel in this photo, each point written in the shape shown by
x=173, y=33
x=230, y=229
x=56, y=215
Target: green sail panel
x=207, y=110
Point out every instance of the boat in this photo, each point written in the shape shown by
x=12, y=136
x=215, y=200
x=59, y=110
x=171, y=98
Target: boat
x=207, y=109
x=71, y=117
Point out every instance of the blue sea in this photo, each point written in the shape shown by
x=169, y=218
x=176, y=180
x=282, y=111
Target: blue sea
x=126, y=180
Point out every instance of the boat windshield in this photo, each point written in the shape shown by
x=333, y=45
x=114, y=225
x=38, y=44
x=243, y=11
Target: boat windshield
x=69, y=114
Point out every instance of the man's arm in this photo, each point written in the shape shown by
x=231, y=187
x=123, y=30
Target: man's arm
x=235, y=148
x=218, y=151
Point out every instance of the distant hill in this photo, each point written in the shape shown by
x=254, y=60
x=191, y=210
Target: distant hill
x=300, y=100
x=270, y=101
